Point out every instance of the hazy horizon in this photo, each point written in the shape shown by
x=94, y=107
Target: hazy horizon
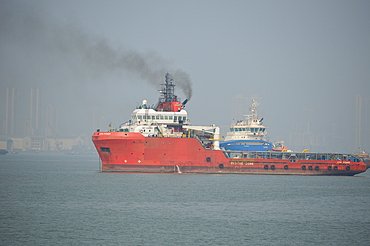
x=306, y=61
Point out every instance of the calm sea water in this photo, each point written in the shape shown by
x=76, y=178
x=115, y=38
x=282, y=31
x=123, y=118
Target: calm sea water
x=65, y=200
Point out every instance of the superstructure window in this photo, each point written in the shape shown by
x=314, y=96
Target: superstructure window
x=105, y=150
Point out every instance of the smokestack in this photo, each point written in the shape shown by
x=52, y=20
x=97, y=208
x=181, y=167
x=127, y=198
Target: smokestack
x=12, y=113
x=57, y=121
x=37, y=109
x=6, y=111
x=34, y=111
x=9, y=111
x=358, y=102
x=49, y=120
x=31, y=114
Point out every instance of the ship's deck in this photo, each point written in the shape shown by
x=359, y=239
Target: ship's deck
x=291, y=155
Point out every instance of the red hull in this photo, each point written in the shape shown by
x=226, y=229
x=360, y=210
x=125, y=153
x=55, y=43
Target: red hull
x=132, y=152
x=367, y=162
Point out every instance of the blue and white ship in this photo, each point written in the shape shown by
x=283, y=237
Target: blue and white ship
x=249, y=135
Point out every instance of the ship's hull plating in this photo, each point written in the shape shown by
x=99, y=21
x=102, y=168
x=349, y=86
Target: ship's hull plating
x=132, y=152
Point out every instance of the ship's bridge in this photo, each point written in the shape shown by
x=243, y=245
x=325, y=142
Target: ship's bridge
x=150, y=116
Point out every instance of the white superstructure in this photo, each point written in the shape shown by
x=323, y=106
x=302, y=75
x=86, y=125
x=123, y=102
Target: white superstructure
x=249, y=129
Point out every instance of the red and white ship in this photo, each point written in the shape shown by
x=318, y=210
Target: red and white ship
x=160, y=139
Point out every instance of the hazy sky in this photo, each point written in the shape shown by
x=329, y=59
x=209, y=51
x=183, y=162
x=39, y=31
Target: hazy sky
x=306, y=60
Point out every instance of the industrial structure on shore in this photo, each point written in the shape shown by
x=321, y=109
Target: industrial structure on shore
x=34, y=133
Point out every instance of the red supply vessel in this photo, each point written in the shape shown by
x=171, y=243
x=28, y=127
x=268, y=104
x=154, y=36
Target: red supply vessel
x=159, y=139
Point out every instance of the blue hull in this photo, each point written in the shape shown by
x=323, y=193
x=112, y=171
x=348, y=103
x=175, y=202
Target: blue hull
x=246, y=145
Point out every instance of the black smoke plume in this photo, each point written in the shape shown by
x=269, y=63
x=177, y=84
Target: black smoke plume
x=28, y=32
